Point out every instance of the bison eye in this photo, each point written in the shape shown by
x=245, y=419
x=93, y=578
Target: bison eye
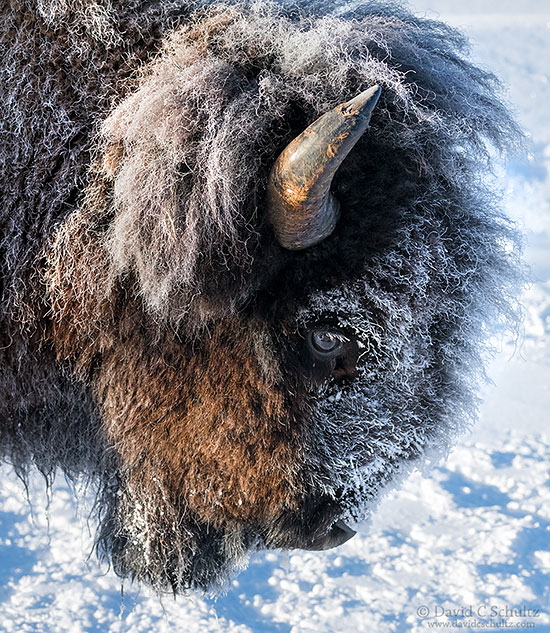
x=326, y=342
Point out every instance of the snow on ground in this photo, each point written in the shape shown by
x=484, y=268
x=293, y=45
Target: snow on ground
x=468, y=545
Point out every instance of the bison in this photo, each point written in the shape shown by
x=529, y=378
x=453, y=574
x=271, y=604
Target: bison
x=250, y=261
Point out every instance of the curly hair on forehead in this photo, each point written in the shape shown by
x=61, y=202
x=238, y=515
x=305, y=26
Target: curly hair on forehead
x=177, y=197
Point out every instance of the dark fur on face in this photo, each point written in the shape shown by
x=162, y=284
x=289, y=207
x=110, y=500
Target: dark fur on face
x=152, y=321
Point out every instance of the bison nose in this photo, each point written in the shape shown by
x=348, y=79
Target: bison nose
x=337, y=535
x=318, y=526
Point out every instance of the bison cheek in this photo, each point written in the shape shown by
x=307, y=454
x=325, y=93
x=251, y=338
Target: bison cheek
x=213, y=441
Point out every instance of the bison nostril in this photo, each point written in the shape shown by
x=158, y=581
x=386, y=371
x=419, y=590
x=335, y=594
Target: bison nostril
x=340, y=525
x=337, y=535
x=317, y=527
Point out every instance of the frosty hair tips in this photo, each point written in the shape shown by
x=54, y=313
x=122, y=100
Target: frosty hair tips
x=249, y=265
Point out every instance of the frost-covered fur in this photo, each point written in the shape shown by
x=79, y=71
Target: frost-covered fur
x=152, y=330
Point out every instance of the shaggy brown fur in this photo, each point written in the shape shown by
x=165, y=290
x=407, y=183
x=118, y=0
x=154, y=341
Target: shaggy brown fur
x=154, y=335
x=251, y=467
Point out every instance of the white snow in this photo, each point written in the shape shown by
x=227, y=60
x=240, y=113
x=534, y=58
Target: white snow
x=467, y=543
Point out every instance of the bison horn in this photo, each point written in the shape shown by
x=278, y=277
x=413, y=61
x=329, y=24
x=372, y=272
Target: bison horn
x=301, y=208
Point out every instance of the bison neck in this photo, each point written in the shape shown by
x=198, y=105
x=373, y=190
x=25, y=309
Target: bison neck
x=61, y=68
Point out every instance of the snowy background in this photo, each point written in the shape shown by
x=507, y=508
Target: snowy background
x=466, y=546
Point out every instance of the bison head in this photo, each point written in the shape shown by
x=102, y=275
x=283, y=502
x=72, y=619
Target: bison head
x=277, y=312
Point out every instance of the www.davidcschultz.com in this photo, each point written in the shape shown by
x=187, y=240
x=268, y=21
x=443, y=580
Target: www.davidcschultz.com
x=480, y=617
x=481, y=624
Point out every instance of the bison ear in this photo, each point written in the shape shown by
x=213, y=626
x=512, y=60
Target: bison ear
x=301, y=208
